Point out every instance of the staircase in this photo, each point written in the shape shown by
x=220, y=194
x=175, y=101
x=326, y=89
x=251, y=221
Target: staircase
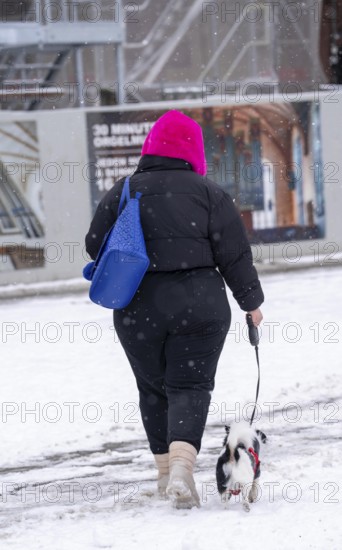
x=163, y=38
x=35, y=44
x=24, y=83
x=237, y=36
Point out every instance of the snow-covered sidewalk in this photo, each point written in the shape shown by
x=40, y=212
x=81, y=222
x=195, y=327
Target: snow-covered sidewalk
x=76, y=471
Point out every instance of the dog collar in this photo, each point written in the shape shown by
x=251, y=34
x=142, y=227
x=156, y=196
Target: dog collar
x=256, y=458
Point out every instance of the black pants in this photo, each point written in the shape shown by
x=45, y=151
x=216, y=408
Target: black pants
x=173, y=333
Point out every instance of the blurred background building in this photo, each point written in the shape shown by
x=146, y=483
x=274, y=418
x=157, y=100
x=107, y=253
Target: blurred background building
x=65, y=53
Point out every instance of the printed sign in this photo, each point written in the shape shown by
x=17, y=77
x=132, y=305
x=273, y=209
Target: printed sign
x=266, y=156
x=21, y=209
x=115, y=141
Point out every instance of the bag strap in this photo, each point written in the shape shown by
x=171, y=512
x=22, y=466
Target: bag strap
x=125, y=195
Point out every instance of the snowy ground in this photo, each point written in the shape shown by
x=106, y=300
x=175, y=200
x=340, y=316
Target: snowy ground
x=76, y=472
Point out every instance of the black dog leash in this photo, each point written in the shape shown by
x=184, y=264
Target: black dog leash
x=253, y=335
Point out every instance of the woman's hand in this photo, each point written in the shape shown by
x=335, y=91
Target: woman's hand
x=256, y=317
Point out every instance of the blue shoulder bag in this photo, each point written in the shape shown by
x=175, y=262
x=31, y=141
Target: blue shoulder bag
x=122, y=260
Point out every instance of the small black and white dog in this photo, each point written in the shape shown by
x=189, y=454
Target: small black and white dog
x=238, y=466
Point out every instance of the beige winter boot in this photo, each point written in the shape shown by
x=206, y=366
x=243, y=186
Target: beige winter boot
x=162, y=463
x=181, y=487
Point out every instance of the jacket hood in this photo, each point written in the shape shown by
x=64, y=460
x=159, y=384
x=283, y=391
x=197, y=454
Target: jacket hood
x=176, y=135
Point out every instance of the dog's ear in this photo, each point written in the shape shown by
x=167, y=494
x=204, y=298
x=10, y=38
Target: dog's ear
x=227, y=428
x=262, y=436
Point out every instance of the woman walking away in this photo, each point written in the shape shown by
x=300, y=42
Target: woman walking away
x=174, y=329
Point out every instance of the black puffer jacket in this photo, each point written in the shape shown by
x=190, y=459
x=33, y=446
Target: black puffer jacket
x=188, y=221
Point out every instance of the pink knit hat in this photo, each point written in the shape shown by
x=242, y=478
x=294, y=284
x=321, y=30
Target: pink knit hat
x=177, y=136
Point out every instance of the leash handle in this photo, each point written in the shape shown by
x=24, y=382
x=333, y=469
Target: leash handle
x=253, y=332
x=253, y=335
